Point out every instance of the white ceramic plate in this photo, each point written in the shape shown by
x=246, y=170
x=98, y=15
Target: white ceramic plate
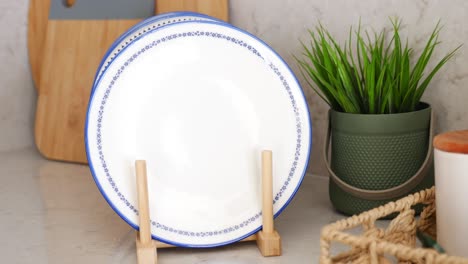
x=141, y=28
x=198, y=101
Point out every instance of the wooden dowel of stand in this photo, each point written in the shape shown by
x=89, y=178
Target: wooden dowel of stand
x=267, y=189
x=146, y=248
x=268, y=240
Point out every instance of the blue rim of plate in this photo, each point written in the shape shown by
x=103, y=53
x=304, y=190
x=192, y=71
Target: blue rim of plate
x=134, y=29
x=301, y=177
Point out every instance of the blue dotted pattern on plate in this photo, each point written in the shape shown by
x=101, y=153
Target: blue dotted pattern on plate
x=231, y=40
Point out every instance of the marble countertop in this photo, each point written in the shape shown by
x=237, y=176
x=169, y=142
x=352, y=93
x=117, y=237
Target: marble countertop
x=52, y=212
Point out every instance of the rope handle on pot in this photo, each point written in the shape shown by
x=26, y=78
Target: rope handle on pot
x=391, y=193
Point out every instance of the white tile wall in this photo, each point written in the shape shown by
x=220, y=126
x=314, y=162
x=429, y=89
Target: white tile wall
x=17, y=95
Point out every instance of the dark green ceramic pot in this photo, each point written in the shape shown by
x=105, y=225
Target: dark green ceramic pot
x=378, y=158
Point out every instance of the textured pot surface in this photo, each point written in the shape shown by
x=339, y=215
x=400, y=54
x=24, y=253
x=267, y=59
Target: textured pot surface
x=377, y=152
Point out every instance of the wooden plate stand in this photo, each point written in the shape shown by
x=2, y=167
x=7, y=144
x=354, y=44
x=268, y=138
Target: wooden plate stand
x=268, y=239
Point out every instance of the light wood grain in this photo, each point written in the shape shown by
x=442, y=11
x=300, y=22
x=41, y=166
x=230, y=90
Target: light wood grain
x=268, y=239
x=214, y=8
x=452, y=141
x=37, y=26
x=143, y=206
x=73, y=50
x=269, y=244
x=146, y=254
x=267, y=187
x=145, y=246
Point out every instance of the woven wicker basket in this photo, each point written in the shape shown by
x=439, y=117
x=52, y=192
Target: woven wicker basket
x=396, y=242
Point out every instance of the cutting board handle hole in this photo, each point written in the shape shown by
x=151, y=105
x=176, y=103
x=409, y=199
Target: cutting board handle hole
x=69, y=3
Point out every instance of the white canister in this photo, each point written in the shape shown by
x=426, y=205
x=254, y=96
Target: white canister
x=451, y=180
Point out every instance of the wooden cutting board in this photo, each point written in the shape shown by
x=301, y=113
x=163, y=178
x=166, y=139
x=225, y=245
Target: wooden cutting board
x=37, y=26
x=39, y=12
x=214, y=8
x=72, y=51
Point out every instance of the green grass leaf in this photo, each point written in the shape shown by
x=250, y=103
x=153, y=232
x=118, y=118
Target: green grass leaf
x=376, y=75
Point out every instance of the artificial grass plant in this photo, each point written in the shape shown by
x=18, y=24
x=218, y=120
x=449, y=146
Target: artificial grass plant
x=369, y=75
